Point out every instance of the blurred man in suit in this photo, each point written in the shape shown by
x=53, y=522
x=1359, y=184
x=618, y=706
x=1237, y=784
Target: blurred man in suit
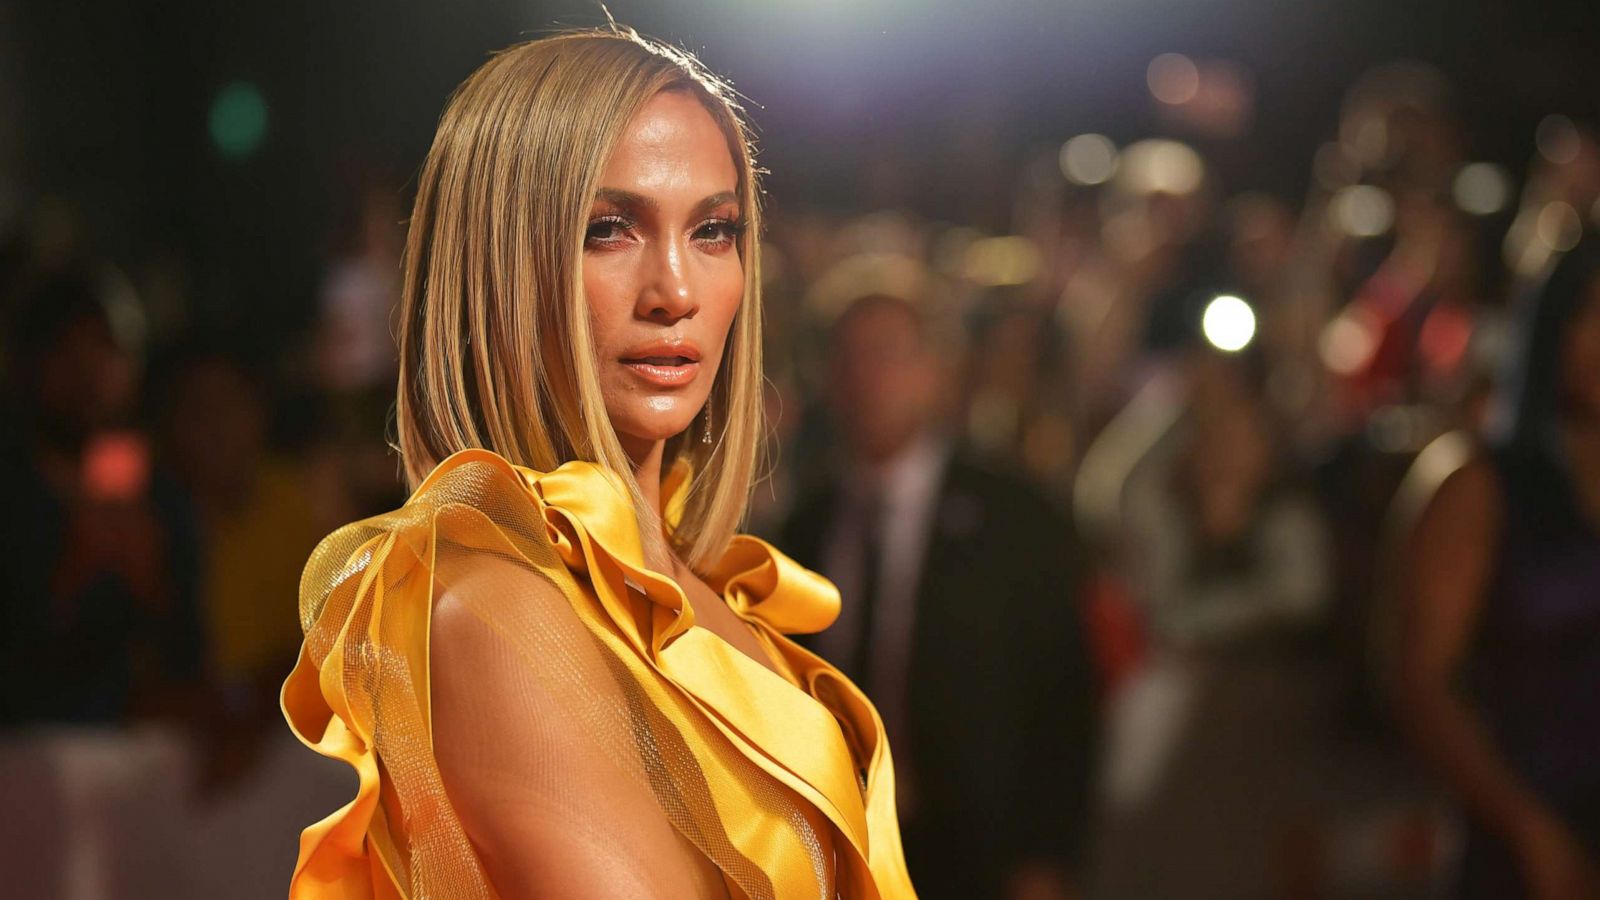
x=959, y=620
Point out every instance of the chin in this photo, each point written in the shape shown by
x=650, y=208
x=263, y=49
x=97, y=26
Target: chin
x=651, y=426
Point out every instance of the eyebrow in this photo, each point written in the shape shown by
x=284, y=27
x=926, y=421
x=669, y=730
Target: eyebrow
x=629, y=199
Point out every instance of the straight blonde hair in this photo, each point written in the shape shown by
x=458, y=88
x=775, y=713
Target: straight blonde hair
x=495, y=344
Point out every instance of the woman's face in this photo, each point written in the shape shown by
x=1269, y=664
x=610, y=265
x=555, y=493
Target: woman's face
x=661, y=268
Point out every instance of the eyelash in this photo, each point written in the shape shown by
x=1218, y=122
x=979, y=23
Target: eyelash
x=729, y=231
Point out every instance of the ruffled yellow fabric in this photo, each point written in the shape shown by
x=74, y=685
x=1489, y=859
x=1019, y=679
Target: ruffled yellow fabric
x=785, y=782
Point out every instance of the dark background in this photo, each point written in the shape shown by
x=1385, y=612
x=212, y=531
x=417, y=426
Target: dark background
x=106, y=104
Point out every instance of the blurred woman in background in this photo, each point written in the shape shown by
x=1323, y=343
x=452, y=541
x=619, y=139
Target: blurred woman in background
x=556, y=669
x=1498, y=668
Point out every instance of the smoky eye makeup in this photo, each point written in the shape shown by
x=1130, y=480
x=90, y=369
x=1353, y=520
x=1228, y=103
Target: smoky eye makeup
x=719, y=231
x=607, y=230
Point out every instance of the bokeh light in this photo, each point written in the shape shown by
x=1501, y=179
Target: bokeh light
x=1088, y=159
x=1365, y=139
x=1557, y=139
x=1559, y=226
x=1362, y=210
x=238, y=119
x=1229, y=324
x=1001, y=261
x=1482, y=189
x=1174, y=79
x=1347, y=343
x=1160, y=166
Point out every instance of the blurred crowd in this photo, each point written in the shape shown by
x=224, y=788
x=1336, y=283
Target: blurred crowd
x=1194, y=542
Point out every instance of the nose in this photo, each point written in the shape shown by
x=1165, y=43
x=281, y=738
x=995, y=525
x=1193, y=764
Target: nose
x=668, y=293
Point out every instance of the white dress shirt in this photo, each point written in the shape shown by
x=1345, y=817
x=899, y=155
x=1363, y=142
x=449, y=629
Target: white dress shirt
x=907, y=487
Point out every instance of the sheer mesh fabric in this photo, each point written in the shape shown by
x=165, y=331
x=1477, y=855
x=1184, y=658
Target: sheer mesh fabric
x=556, y=587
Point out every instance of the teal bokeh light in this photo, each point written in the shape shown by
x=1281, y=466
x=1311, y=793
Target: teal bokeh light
x=238, y=119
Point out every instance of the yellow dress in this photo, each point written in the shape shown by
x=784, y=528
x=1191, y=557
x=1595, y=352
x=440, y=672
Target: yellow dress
x=784, y=782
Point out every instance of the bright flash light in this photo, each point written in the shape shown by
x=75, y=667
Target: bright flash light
x=1229, y=323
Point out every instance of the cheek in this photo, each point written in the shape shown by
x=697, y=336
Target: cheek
x=721, y=297
x=726, y=292
x=605, y=294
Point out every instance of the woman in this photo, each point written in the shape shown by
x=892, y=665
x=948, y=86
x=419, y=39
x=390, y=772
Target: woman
x=1503, y=590
x=1216, y=742
x=556, y=670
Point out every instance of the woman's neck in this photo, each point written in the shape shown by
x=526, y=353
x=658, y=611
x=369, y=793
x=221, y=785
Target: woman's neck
x=647, y=473
x=646, y=457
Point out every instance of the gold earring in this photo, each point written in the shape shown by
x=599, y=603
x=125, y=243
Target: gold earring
x=705, y=436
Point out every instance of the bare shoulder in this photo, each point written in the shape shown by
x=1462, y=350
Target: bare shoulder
x=1453, y=545
x=533, y=739
x=1470, y=492
x=469, y=595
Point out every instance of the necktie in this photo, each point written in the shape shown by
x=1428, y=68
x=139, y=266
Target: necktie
x=871, y=515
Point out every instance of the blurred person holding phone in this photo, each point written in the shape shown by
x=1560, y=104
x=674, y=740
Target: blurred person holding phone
x=98, y=596
x=1216, y=752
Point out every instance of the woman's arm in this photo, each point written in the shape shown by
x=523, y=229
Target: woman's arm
x=549, y=810
x=1452, y=556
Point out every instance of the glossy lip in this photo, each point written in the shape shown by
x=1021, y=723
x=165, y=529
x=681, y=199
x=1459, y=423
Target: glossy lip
x=665, y=363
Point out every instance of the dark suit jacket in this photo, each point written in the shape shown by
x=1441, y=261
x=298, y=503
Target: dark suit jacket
x=1000, y=699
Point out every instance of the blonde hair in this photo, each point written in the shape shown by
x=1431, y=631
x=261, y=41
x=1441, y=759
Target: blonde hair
x=495, y=343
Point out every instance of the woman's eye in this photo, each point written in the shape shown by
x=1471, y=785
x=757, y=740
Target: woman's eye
x=607, y=230
x=719, y=232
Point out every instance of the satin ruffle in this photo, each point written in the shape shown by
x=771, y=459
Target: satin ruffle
x=816, y=734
